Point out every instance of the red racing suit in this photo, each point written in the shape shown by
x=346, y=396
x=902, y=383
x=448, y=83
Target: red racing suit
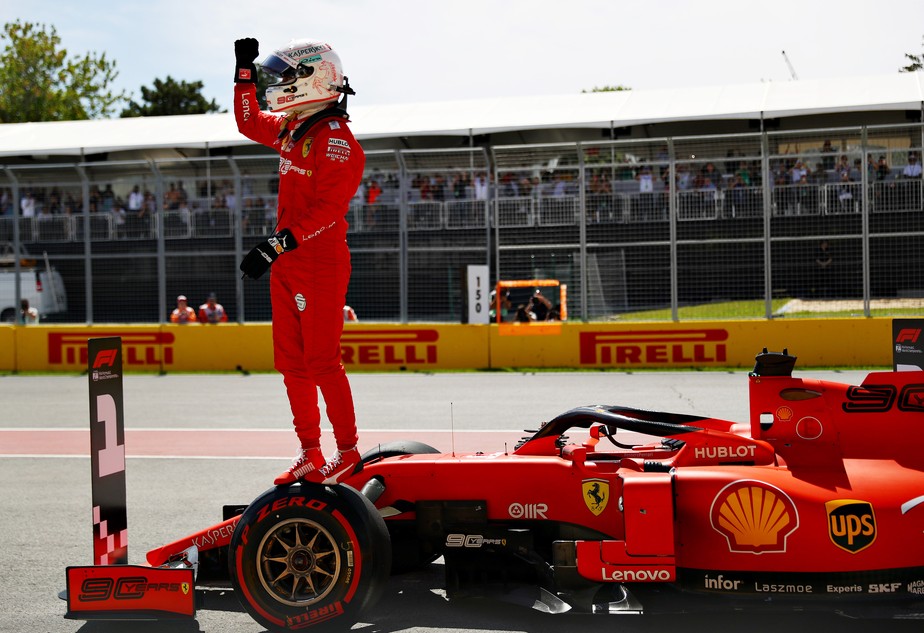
x=318, y=176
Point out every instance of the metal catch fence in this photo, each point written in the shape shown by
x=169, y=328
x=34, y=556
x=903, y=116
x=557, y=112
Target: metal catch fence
x=758, y=225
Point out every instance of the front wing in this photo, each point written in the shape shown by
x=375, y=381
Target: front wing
x=129, y=592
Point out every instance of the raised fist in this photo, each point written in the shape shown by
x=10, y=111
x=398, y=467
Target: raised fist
x=246, y=50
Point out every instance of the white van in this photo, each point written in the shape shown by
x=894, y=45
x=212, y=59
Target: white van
x=40, y=284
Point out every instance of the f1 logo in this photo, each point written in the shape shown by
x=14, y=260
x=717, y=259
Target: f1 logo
x=908, y=335
x=105, y=358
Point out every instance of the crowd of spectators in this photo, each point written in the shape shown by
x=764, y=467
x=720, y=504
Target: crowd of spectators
x=795, y=181
x=130, y=214
x=630, y=178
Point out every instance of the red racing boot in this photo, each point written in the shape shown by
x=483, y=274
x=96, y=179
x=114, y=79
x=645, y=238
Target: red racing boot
x=307, y=465
x=340, y=466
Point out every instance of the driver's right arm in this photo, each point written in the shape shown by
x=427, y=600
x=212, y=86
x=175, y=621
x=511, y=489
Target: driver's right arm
x=253, y=123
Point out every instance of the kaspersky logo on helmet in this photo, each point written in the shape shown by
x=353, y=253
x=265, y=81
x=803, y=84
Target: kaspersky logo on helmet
x=299, y=54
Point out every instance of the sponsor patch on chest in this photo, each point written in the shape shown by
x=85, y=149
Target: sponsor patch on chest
x=338, y=150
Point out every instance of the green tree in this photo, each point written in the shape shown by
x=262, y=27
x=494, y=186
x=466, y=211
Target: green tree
x=917, y=63
x=41, y=82
x=171, y=97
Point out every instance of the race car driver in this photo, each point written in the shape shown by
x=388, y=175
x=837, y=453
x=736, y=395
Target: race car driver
x=320, y=169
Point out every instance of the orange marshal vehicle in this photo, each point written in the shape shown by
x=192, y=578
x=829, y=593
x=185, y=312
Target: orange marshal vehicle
x=815, y=502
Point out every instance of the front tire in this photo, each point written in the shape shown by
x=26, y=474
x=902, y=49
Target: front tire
x=309, y=556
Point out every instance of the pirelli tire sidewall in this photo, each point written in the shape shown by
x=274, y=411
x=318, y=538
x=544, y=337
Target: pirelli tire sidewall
x=338, y=529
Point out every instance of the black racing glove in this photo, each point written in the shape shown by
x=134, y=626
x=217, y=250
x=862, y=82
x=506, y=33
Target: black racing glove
x=245, y=52
x=262, y=256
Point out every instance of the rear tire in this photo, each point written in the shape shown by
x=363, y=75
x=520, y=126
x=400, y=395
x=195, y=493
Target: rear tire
x=397, y=448
x=309, y=556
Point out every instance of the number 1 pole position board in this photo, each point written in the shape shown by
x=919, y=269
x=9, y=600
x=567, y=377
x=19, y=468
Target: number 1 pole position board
x=107, y=451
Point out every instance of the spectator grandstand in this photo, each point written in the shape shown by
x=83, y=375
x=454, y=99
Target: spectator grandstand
x=636, y=203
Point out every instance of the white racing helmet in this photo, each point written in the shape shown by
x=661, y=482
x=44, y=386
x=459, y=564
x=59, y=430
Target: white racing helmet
x=310, y=76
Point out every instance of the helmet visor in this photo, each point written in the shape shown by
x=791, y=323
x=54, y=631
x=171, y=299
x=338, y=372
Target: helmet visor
x=276, y=66
x=279, y=68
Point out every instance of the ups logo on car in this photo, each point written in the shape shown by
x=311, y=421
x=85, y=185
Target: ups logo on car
x=851, y=524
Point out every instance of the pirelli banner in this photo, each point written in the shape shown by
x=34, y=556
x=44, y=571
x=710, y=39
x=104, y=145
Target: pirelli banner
x=698, y=344
x=230, y=347
x=7, y=347
x=426, y=347
x=64, y=348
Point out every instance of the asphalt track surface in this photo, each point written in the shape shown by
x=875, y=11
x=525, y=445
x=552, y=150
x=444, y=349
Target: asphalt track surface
x=196, y=442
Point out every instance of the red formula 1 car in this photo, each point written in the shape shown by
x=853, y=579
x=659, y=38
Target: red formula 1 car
x=816, y=503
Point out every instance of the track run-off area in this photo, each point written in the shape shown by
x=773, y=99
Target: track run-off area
x=196, y=442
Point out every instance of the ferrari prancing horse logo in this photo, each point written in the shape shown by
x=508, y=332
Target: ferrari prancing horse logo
x=596, y=494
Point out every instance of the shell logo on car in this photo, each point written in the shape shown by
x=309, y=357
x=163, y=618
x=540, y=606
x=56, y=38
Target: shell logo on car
x=754, y=517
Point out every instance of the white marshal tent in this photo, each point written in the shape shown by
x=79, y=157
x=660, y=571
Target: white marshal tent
x=898, y=93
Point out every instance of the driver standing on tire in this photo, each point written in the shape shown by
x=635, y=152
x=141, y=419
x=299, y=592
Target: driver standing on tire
x=320, y=169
